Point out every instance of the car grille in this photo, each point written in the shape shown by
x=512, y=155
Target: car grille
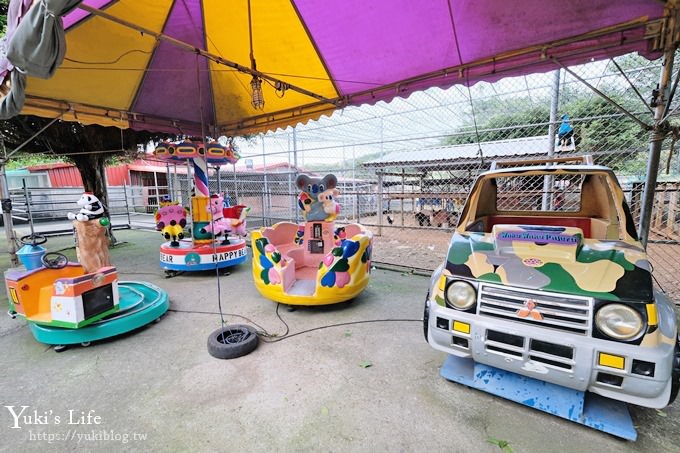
x=553, y=355
x=561, y=312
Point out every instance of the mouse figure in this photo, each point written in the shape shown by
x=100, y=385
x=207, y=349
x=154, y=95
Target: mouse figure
x=317, y=197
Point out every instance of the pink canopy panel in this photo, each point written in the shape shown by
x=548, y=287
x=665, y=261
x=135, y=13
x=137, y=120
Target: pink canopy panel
x=188, y=66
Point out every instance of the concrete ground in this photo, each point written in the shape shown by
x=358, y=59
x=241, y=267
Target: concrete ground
x=357, y=377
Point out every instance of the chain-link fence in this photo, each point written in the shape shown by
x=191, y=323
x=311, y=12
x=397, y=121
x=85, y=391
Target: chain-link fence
x=405, y=168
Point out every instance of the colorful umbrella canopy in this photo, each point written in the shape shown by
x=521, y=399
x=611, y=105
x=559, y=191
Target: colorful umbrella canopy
x=189, y=66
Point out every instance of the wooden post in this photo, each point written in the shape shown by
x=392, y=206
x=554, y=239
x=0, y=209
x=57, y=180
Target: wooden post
x=92, y=246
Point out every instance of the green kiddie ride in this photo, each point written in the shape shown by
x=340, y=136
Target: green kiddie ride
x=545, y=297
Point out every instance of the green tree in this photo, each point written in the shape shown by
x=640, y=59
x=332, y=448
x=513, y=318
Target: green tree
x=88, y=147
x=527, y=118
x=599, y=126
x=3, y=16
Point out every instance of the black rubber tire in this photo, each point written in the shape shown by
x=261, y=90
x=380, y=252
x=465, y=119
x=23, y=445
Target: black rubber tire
x=232, y=341
x=426, y=316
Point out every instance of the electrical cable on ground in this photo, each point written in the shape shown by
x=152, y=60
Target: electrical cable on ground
x=274, y=338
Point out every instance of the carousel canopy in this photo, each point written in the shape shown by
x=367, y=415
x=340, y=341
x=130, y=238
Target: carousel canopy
x=238, y=66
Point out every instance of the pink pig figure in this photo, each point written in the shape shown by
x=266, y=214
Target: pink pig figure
x=219, y=225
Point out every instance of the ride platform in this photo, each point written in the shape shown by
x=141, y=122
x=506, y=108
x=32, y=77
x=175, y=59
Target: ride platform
x=589, y=409
x=140, y=303
x=188, y=256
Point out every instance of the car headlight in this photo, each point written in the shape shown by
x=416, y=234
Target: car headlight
x=460, y=295
x=619, y=321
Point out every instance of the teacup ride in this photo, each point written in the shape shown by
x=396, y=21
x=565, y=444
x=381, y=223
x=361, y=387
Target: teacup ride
x=67, y=303
x=316, y=262
x=217, y=231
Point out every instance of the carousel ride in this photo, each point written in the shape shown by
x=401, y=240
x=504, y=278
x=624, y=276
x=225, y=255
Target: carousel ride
x=68, y=303
x=217, y=230
x=313, y=263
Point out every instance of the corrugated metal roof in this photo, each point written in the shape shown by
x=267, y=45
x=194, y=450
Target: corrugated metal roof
x=490, y=150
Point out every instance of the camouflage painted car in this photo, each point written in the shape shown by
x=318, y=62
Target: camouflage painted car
x=545, y=277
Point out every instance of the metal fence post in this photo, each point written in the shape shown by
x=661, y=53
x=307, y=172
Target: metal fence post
x=554, y=102
x=127, y=205
x=380, y=202
x=7, y=213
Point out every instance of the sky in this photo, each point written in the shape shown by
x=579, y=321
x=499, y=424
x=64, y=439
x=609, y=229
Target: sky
x=420, y=121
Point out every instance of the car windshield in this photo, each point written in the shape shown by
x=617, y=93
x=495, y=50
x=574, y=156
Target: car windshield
x=535, y=193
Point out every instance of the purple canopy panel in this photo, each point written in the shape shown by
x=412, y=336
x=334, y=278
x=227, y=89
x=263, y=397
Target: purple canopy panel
x=77, y=14
x=176, y=79
x=553, y=21
x=369, y=55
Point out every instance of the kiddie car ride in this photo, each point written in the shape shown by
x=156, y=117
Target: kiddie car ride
x=314, y=263
x=68, y=303
x=549, y=292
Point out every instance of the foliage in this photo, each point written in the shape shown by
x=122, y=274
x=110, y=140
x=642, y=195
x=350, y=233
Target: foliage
x=599, y=125
x=23, y=160
x=88, y=147
x=607, y=128
x=3, y=16
x=499, y=124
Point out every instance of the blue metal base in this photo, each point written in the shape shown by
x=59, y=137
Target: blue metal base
x=585, y=408
x=140, y=304
x=203, y=266
x=187, y=257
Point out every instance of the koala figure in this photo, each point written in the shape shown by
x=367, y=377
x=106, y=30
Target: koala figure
x=311, y=189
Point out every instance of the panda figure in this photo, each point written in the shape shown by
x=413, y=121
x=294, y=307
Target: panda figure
x=92, y=208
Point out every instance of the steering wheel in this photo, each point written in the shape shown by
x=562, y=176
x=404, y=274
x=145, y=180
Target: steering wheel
x=54, y=260
x=33, y=239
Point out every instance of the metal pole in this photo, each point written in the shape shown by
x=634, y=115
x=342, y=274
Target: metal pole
x=554, y=102
x=291, y=204
x=235, y=200
x=168, y=177
x=219, y=180
x=158, y=194
x=127, y=205
x=27, y=197
x=265, y=198
x=660, y=129
x=355, y=214
x=380, y=202
x=403, y=191
x=295, y=164
x=7, y=210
